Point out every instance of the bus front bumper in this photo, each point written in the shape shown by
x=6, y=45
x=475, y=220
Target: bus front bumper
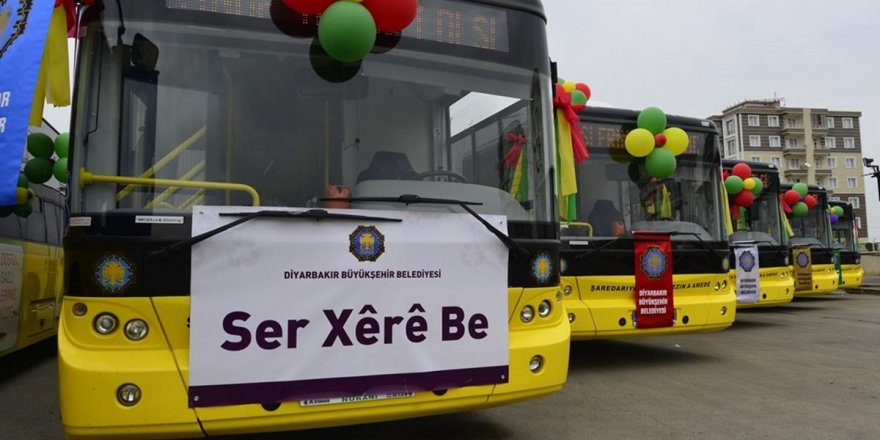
x=853, y=275
x=824, y=281
x=777, y=288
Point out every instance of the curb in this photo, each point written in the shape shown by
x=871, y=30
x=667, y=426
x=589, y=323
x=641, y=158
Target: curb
x=867, y=290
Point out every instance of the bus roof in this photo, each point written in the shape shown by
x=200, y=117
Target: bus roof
x=607, y=114
x=840, y=203
x=754, y=165
x=811, y=187
x=532, y=6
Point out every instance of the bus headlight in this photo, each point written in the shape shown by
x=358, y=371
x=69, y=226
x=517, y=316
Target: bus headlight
x=566, y=290
x=544, y=309
x=725, y=264
x=536, y=363
x=787, y=261
x=128, y=394
x=724, y=284
x=80, y=309
x=717, y=286
x=136, y=329
x=106, y=323
x=527, y=314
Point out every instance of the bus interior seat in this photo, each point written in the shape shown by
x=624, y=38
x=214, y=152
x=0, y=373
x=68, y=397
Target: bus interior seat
x=388, y=165
x=603, y=218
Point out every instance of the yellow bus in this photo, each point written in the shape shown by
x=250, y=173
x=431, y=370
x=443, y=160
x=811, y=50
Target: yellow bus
x=265, y=238
x=31, y=270
x=812, y=255
x=762, y=225
x=845, y=238
x=614, y=193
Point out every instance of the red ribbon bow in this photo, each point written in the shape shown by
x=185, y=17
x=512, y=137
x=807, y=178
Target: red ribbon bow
x=562, y=101
x=517, y=142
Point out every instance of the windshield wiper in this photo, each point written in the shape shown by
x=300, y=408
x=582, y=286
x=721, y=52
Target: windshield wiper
x=413, y=199
x=699, y=239
x=312, y=214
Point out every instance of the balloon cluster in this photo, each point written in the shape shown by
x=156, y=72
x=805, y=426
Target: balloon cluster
x=572, y=97
x=347, y=29
x=43, y=166
x=656, y=143
x=742, y=186
x=835, y=213
x=797, y=201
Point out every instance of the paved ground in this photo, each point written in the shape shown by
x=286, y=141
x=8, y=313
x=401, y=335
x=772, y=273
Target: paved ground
x=804, y=371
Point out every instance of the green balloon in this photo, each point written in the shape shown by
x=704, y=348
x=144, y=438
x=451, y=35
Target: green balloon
x=23, y=210
x=652, y=119
x=59, y=170
x=759, y=186
x=733, y=184
x=800, y=209
x=660, y=163
x=801, y=188
x=578, y=98
x=838, y=210
x=38, y=170
x=22, y=180
x=62, y=143
x=40, y=145
x=347, y=31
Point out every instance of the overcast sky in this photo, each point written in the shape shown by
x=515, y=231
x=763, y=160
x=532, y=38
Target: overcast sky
x=697, y=57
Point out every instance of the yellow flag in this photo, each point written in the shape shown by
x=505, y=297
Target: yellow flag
x=53, y=83
x=567, y=177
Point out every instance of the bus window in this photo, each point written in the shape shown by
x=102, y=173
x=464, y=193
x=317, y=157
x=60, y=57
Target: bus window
x=53, y=229
x=36, y=223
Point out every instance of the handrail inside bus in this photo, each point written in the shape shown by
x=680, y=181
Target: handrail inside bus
x=87, y=178
x=577, y=224
x=170, y=191
x=177, y=151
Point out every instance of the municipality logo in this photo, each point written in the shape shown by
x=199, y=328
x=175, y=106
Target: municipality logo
x=13, y=21
x=366, y=243
x=747, y=261
x=654, y=262
x=542, y=268
x=113, y=273
x=803, y=260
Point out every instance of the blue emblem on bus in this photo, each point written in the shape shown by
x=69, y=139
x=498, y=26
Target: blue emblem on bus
x=747, y=261
x=366, y=243
x=542, y=268
x=654, y=262
x=113, y=273
x=803, y=260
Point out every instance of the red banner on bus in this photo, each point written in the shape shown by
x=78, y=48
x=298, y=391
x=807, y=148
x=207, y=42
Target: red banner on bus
x=653, y=258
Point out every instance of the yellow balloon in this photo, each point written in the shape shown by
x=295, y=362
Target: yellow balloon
x=749, y=183
x=21, y=196
x=569, y=86
x=639, y=142
x=676, y=140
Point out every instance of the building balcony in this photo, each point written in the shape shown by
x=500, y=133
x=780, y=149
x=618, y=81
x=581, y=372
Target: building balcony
x=823, y=171
x=794, y=151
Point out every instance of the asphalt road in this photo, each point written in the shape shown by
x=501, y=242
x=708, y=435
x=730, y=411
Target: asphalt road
x=804, y=371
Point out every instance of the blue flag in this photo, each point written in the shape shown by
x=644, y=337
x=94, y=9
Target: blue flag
x=23, y=28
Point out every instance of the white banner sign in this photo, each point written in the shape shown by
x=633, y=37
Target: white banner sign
x=293, y=308
x=748, y=273
x=11, y=267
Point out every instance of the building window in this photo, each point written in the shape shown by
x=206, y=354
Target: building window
x=776, y=161
x=831, y=142
x=791, y=142
x=855, y=202
x=852, y=183
x=832, y=182
x=849, y=142
x=731, y=148
x=791, y=123
x=793, y=164
x=829, y=122
x=730, y=127
x=773, y=121
x=850, y=162
x=846, y=122
x=754, y=141
x=775, y=141
x=754, y=121
x=756, y=158
x=832, y=162
x=859, y=223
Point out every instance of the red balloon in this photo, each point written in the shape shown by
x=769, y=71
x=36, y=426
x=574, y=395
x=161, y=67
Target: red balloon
x=725, y=174
x=309, y=6
x=810, y=201
x=742, y=171
x=584, y=88
x=790, y=197
x=392, y=15
x=745, y=199
x=659, y=140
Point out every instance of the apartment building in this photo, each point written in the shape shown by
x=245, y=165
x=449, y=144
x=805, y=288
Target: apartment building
x=812, y=145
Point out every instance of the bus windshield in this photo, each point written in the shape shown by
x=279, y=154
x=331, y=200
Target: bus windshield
x=762, y=221
x=616, y=196
x=843, y=232
x=217, y=92
x=812, y=230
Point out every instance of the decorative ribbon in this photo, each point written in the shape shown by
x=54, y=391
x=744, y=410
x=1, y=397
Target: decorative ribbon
x=53, y=82
x=517, y=141
x=562, y=102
